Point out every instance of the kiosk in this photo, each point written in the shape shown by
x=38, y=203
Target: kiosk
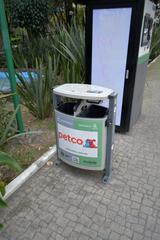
x=118, y=38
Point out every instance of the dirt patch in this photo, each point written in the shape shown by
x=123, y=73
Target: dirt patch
x=29, y=148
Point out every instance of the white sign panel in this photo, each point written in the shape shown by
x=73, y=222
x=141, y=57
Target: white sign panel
x=81, y=143
x=109, y=50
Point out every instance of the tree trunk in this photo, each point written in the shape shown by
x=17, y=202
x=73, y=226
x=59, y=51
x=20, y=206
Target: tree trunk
x=68, y=10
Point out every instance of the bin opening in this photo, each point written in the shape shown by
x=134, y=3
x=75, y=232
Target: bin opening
x=67, y=108
x=94, y=111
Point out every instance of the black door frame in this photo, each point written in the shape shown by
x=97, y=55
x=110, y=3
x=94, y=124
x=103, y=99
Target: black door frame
x=133, y=49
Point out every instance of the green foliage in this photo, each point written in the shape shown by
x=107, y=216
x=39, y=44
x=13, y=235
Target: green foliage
x=64, y=45
x=29, y=50
x=5, y=159
x=155, y=45
x=29, y=14
x=7, y=120
x=70, y=44
x=8, y=129
x=36, y=94
x=72, y=72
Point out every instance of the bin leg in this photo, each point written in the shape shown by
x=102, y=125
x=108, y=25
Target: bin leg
x=56, y=102
x=110, y=137
x=57, y=163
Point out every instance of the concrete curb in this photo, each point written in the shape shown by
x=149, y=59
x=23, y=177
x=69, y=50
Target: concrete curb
x=24, y=176
x=153, y=61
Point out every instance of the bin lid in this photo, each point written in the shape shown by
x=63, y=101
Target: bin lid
x=83, y=91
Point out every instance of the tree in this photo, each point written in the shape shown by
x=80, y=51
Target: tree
x=31, y=15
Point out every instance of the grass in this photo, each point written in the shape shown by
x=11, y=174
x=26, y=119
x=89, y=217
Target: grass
x=29, y=148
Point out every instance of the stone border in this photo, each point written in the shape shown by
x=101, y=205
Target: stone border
x=26, y=174
x=154, y=60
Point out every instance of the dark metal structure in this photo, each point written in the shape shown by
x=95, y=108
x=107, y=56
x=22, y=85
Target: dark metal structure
x=118, y=37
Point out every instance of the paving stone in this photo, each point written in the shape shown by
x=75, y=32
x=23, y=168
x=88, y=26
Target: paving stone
x=123, y=237
x=151, y=222
x=89, y=232
x=59, y=237
x=132, y=219
x=120, y=220
x=128, y=232
x=85, y=220
x=89, y=211
x=117, y=228
x=114, y=236
x=104, y=232
x=78, y=227
x=135, y=205
x=39, y=236
x=148, y=234
x=155, y=236
x=157, y=228
x=133, y=184
x=74, y=235
x=147, y=202
x=102, y=209
x=111, y=214
x=137, y=236
x=83, y=237
x=137, y=228
x=137, y=197
x=67, y=231
x=147, y=210
x=71, y=224
x=71, y=217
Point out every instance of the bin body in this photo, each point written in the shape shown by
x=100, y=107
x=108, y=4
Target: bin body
x=85, y=128
x=81, y=141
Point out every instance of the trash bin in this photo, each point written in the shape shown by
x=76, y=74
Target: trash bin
x=84, y=127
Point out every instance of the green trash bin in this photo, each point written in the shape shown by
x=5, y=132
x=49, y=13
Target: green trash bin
x=84, y=127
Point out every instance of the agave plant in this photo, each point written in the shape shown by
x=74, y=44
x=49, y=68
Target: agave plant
x=36, y=93
x=29, y=50
x=7, y=120
x=8, y=127
x=5, y=159
x=70, y=44
x=155, y=45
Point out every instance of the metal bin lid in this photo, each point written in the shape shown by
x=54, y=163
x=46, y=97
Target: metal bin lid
x=83, y=91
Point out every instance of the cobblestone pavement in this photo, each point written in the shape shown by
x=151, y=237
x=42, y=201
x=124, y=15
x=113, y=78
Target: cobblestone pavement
x=67, y=203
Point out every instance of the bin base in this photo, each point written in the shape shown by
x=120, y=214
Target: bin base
x=106, y=179
x=57, y=163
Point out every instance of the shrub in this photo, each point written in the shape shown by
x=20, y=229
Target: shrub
x=36, y=94
x=70, y=44
x=7, y=120
x=155, y=45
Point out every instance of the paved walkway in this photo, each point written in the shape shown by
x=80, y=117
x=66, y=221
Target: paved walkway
x=66, y=203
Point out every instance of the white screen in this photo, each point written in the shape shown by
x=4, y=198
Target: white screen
x=109, y=50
